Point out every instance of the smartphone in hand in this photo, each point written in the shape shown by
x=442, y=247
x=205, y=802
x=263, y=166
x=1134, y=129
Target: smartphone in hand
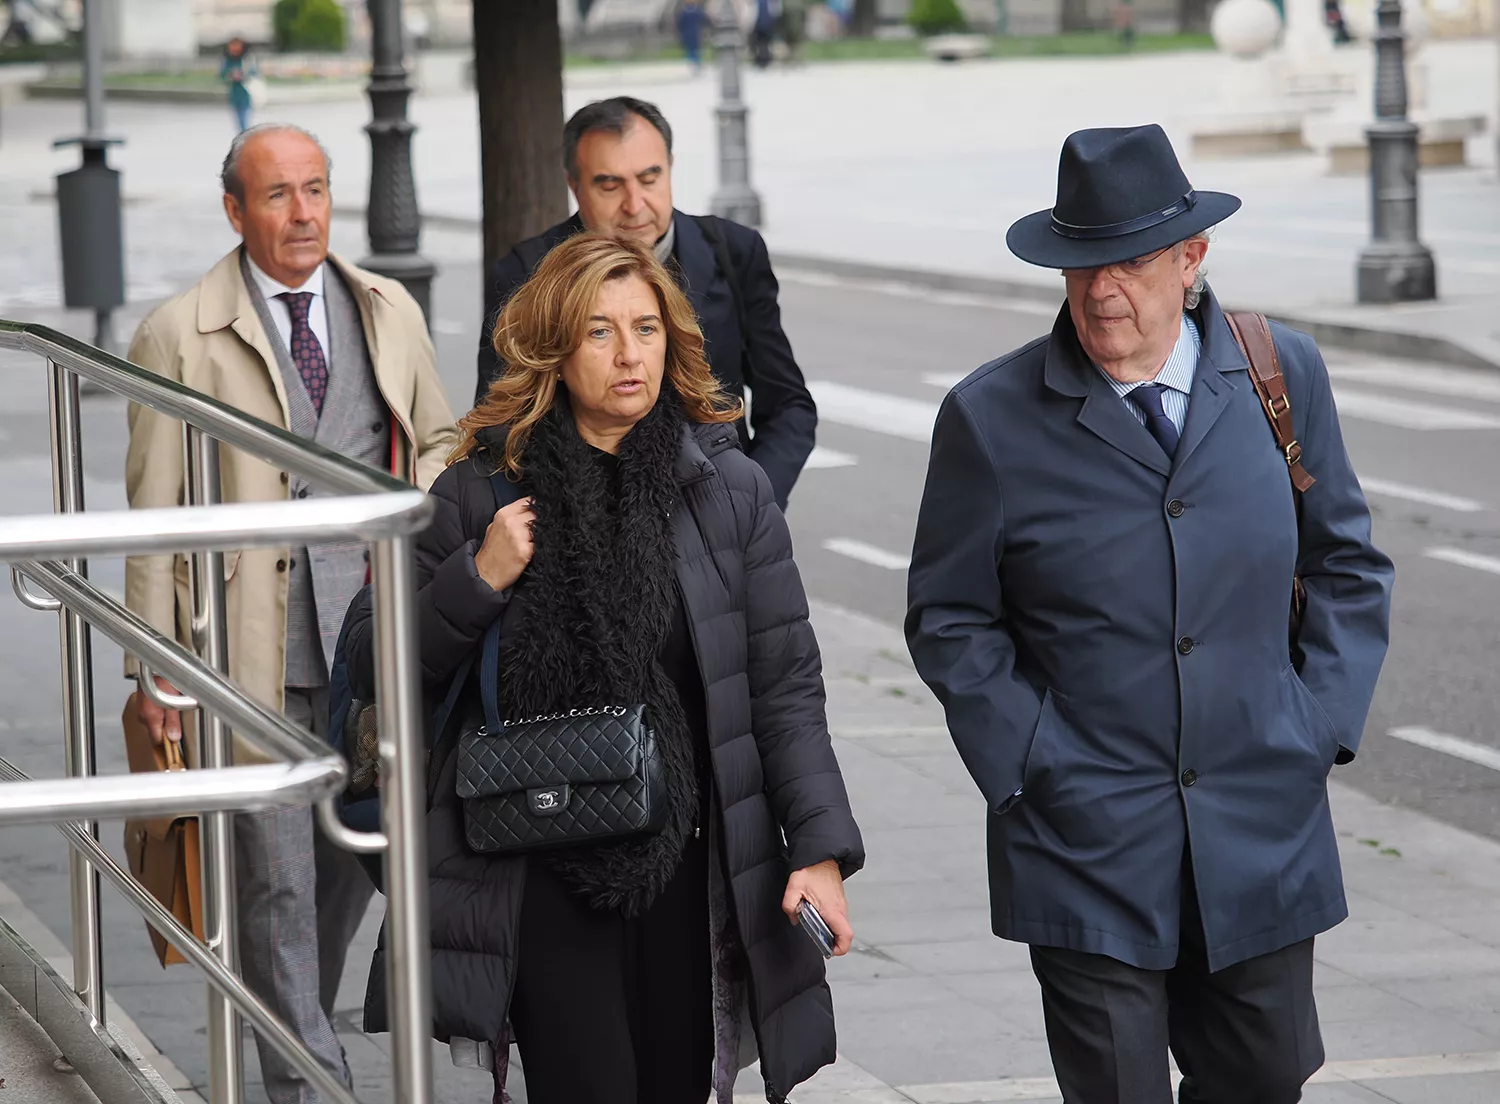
x=815, y=927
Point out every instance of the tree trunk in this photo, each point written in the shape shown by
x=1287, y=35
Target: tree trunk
x=863, y=19
x=518, y=79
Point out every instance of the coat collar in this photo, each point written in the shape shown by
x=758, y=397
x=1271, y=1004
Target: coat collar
x=1067, y=370
x=224, y=304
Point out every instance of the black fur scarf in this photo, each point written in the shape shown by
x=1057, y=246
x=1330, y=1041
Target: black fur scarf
x=597, y=603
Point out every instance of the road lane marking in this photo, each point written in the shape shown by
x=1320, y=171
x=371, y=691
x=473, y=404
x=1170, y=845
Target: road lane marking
x=945, y=380
x=448, y=327
x=1418, y=494
x=1467, y=750
x=1452, y=382
x=903, y=289
x=830, y=458
x=1465, y=559
x=1405, y=414
x=867, y=553
x=874, y=410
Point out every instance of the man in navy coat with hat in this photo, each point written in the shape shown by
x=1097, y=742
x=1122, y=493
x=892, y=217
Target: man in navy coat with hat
x=1099, y=596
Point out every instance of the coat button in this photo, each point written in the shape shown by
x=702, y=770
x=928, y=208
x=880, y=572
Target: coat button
x=1186, y=645
x=285, y=479
x=377, y=427
x=1175, y=507
x=280, y=565
x=1189, y=776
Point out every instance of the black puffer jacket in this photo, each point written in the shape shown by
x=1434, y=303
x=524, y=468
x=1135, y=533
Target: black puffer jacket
x=773, y=764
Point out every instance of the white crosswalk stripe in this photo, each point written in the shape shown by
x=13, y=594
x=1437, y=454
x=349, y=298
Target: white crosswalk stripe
x=867, y=553
x=876, y=411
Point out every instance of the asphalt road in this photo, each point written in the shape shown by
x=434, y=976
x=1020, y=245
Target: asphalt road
x=1425, y=439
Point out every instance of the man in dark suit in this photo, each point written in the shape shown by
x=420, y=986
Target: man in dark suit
x=618, y=158
x=1104, y=566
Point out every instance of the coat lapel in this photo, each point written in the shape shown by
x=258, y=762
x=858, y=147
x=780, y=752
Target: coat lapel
x=1103, y=413
x=695, y=261
x=1213, y=387
x=224, y=304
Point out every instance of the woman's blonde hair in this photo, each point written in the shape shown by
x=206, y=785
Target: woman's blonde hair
x=544, y=322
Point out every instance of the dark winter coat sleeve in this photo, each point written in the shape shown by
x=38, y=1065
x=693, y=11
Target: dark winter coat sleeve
x=783, y=414
x=454, y=605
x=507, y=274
x=787, y=701
x=956, y=623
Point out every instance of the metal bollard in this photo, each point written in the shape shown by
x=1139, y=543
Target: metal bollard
x=735, y=199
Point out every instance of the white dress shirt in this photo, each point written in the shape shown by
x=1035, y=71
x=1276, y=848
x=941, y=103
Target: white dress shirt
x=1175, y=377
x=317, y=311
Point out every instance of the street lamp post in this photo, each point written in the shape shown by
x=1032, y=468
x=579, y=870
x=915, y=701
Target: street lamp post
x=90, y=229
x=1395, y=267
x=734, y=199
x=393, y=222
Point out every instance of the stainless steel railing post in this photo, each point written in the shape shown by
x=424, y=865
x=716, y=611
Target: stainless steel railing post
x=77, y=688
x=404, y=812
x=226, y=1060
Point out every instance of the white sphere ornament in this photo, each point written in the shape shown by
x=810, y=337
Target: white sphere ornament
x=1245, y=28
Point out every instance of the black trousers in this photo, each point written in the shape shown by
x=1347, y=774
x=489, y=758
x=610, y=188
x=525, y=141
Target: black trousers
x=614, y=1011
x=1247, y=1034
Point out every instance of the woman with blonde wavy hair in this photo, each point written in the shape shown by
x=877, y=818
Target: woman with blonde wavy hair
x=598, y=507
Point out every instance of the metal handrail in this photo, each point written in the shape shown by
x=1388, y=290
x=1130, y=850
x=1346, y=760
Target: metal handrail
x=214, y=528
x=233, y=427
x=49, y=553
x=249, y=1005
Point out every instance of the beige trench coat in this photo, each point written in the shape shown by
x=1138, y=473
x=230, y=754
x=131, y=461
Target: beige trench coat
x=211, y=339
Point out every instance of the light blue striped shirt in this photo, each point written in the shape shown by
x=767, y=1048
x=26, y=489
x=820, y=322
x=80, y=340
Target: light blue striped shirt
x=1176, y=377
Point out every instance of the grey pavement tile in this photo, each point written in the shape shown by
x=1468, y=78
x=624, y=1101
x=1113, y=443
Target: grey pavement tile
x=987, y=955
x=914, y=1031
x=1473, y=1088
x=1418, y=1032
x=1463, y=996
x=1340, y=1003
x=943, y=926
x=1342, y=1094
x=904, y=745
x=925, y=896
x=865, y=963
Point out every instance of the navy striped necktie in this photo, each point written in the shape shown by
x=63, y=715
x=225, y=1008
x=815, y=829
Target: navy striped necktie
x=1147, y=399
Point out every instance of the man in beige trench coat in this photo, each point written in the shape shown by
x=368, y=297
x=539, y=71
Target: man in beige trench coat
x=283, y=331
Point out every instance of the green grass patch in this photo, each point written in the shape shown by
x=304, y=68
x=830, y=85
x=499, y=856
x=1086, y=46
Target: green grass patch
x=1076, y=44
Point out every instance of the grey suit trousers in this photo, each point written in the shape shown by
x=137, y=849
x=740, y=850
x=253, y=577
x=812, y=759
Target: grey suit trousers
x=301, y=901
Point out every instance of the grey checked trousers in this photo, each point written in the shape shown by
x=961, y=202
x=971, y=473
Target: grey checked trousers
x=301, y=901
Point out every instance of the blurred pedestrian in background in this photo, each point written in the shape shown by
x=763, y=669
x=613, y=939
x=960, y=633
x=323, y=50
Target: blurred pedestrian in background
x=1102, y=596
x=763, y=31
x=691, y=19
x=278, y=329
x=239, y=71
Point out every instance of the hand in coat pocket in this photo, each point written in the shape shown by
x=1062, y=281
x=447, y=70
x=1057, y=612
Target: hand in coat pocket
x=822, y=885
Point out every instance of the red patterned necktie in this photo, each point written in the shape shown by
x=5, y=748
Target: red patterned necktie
x=307, y=354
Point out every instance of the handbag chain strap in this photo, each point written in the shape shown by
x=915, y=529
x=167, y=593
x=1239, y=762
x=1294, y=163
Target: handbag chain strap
x=587, y=711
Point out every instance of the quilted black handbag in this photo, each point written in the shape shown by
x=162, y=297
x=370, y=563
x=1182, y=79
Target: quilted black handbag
x=584, y=776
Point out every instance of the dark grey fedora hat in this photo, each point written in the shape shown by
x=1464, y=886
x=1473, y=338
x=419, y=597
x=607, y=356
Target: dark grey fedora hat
x=1121, y=193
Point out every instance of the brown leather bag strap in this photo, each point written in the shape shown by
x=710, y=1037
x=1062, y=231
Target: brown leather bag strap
x=1253, y=333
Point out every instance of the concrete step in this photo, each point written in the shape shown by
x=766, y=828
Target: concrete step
x=31, y=1068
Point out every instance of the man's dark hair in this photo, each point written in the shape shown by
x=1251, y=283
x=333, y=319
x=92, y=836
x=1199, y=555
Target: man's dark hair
x=615, y=115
